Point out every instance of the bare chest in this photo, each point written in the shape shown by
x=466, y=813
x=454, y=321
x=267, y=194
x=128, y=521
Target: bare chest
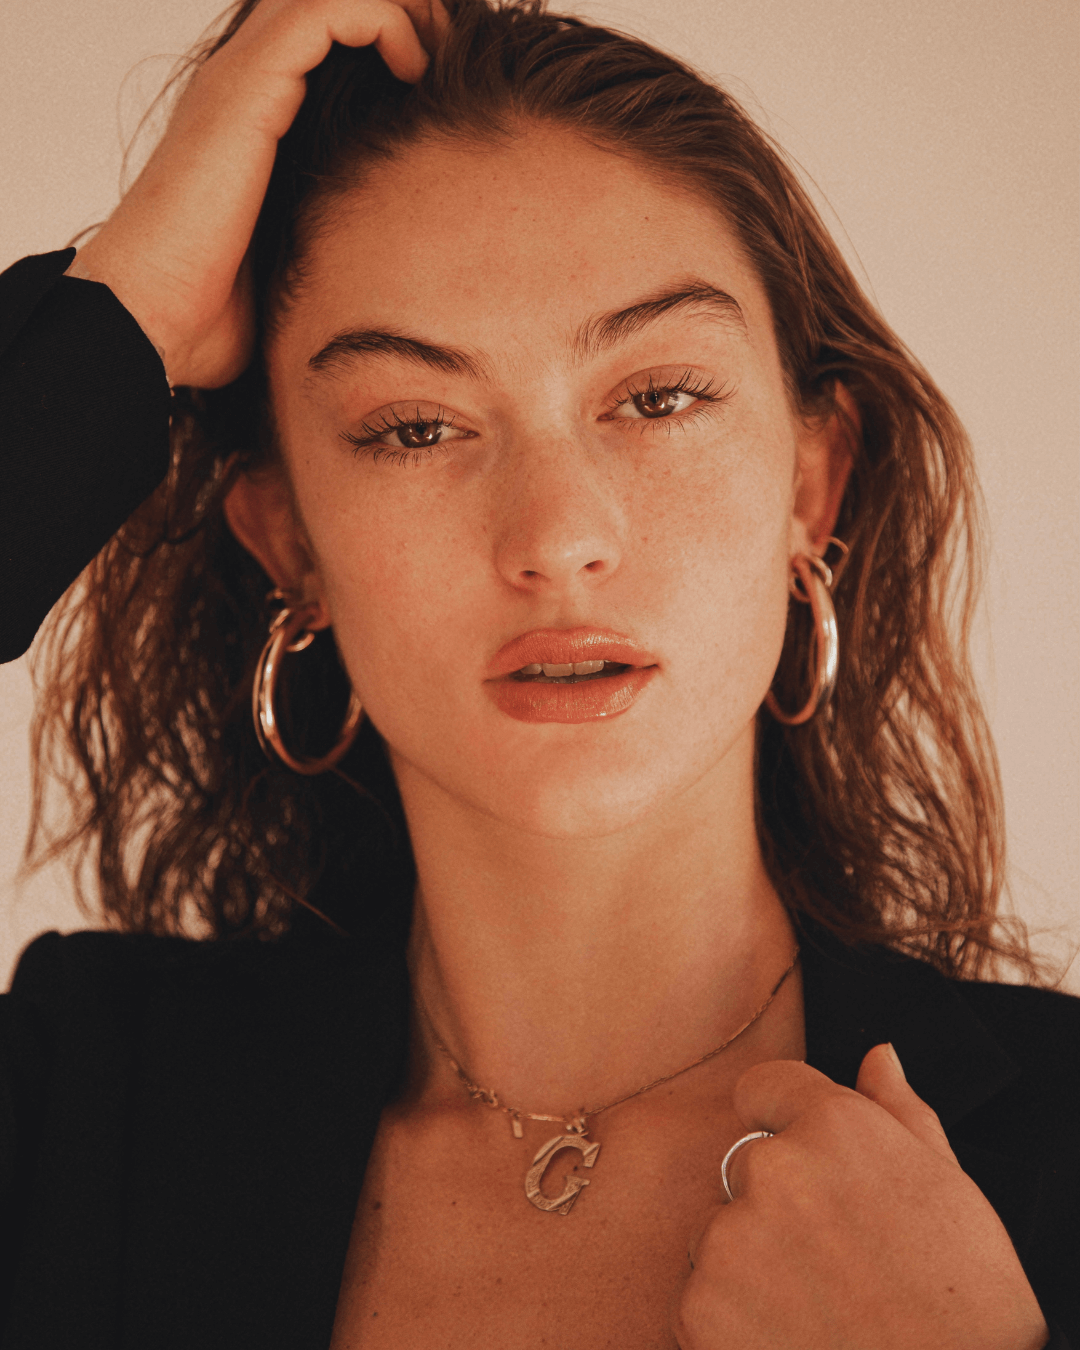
x=447, y=1251
x=446, y=1246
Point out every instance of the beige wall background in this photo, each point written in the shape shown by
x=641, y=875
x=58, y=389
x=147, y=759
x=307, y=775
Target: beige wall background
x=942, y=137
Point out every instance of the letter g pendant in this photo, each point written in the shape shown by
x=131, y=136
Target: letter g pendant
x=561, y=1204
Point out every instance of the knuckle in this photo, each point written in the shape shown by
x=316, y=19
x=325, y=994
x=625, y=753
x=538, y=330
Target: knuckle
x=697, y=1313
x=766, y=1071
x=841, y=1110
x=771, y=1171
x=761, y=1082
x=758, y=1161
x=931, y=1119
x=709, y=1247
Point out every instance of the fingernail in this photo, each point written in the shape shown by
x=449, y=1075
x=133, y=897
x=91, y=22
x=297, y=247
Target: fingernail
x=896, y=1061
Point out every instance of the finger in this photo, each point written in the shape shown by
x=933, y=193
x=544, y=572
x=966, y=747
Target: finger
x=391, y=29
x=405, y=59
x=771, y=1095
x=430, y=19
x=440, y=16
x=881, y=1078
x=291, y=39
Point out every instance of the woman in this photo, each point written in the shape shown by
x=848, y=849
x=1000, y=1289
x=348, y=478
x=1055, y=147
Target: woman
x=477, y=654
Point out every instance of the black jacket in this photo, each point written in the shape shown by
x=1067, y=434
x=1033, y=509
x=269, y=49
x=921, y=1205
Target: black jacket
x=184, y=1126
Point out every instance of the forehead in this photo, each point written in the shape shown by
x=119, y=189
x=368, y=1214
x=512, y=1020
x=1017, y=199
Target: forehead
x=509, y=247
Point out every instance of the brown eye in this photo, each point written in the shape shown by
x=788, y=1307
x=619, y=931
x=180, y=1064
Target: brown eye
x=403, y=438
x=677, y=404
x=657, y=402
x=419, y=435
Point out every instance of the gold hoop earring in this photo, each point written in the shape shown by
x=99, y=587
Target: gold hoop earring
x=289, y=633
x=811, y=583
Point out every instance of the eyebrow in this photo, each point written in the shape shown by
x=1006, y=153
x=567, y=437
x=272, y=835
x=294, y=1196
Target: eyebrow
x=595, y=336
x=599, y=334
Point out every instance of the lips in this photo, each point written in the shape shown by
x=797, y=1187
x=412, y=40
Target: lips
x=567, y=646
x=590, y=699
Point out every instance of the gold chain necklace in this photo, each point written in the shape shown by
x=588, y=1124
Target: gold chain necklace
x=576, y=1129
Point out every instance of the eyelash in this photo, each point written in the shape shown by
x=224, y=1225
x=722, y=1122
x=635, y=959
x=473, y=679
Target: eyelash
x=366, y=441
x=707, y=394
x=702, y=388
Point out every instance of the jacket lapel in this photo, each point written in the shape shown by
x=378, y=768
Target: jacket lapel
x=856, y=998
x=259, y=1092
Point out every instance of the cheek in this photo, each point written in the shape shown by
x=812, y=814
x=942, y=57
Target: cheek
x=717, y=530
x=398, y=568
x=731, y=589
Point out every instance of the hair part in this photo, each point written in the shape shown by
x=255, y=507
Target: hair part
x=881, y=818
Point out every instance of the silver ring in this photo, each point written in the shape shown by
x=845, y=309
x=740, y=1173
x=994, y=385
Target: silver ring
x=758, y=1134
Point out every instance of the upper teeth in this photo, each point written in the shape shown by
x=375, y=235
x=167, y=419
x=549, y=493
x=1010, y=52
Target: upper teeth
x=577, y=668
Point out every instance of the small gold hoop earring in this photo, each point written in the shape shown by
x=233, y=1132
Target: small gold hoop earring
x=289, y=633
x=811, y=582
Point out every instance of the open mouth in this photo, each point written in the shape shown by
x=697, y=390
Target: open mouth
x=610, y=668
x=577, y=672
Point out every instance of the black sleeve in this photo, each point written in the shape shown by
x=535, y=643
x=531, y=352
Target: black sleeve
x=84, y=433
x=25, y=1063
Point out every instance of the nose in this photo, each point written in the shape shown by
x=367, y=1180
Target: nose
x=560, y=524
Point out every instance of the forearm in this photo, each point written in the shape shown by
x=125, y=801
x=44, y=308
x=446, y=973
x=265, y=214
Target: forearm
x=84, y=422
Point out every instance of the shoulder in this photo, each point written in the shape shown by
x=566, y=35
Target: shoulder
x=86, y=997
x=968, y=1048
x=1039, y=1029
x=59, y=975
x=57, y=968
x=93, y=1017
x=109, y=985
x=1026, y=1019
x=1022, y=1145
x=103, y=973
x=54, y=961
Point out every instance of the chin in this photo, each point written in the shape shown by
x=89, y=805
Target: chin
x=569, y=782
x=589, y=811
x=587, y=795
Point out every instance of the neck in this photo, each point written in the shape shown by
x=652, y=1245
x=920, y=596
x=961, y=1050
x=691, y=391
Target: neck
x=562, y=972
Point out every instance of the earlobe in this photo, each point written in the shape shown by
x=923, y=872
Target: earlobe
x=826, y=455
x=260, y=513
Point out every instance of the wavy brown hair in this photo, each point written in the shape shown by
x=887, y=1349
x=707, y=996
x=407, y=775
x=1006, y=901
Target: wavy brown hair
x=881, y=818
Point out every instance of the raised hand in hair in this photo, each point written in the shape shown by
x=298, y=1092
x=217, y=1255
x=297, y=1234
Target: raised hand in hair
x=173, y=250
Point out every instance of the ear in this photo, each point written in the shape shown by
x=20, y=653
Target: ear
x=262, y=516
x=826, y=452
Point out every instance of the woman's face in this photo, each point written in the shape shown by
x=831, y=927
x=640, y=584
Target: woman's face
x=617, y=475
